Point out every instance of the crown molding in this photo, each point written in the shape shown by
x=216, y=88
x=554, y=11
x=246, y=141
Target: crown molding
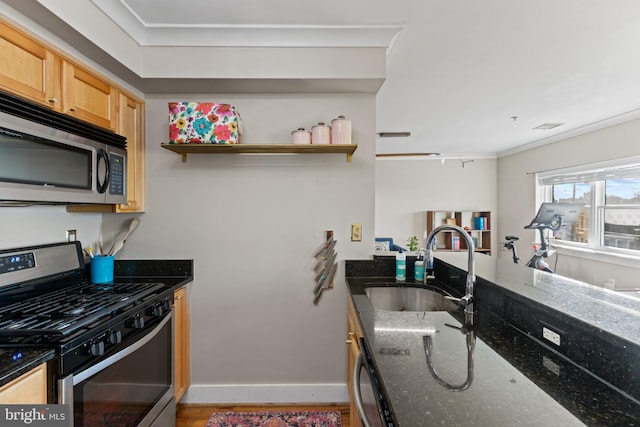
x=232, y=35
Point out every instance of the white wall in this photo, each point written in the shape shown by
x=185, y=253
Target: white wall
x=35, y=225
x=252, y=224
x=516, y=195
x=407, y=188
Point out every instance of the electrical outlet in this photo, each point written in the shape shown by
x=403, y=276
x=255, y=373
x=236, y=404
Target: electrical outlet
x=356, y=232
x=71, y=235
x=551, y=336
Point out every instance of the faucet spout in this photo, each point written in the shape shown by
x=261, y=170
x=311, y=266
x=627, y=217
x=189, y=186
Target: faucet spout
x=471, y=269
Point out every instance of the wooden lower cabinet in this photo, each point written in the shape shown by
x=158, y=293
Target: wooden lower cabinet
x=30, y=388
x=354, y=333
x=181, y=342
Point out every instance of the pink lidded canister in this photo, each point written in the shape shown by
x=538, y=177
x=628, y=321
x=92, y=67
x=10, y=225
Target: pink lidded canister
x=341, y=130
x=321, y=134
x=301, y=136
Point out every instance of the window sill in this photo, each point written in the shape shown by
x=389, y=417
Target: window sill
x=599, y=256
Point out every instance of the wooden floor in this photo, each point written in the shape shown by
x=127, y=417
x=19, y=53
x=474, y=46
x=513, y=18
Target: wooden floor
x=192, y=415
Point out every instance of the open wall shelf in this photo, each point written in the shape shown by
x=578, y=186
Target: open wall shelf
x=185, y=149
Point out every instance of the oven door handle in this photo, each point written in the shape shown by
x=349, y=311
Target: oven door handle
x=121, y=354
x=357, y=394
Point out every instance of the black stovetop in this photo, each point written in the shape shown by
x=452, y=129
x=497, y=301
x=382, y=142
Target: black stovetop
x=64, y=311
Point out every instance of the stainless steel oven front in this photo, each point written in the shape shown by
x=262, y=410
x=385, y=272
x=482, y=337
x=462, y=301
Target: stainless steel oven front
x=133, y=387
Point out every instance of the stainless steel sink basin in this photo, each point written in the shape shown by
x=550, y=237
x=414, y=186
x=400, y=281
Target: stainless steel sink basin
x=408, y=298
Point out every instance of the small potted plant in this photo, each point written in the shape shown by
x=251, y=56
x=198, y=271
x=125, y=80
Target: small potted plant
x=412, y=242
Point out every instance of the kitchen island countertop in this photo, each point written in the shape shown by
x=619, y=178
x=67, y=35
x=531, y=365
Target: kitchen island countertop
x=516, y=379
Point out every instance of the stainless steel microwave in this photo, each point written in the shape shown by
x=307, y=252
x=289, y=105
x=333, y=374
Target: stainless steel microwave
x=43, y=163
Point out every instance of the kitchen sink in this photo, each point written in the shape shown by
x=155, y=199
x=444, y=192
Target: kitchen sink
x=408, y=298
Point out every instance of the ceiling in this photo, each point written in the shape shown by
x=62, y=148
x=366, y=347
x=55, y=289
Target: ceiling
x=466, y=78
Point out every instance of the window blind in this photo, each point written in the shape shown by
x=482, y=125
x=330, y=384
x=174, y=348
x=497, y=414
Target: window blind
x=625, y=172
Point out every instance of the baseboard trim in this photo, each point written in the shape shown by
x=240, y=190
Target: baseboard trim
x=266, y=393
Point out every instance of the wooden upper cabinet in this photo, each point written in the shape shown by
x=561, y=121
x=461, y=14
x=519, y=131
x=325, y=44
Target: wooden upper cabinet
x=131, y=126
x=28, y=69
x=88, y=97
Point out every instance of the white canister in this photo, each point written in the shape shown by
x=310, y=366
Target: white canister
x=321, y=134
x=301, y=136
x=341, y=130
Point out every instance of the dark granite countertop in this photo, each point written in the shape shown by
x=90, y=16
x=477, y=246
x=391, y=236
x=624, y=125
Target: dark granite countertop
x=173, y=273
x=616, y=312
x=17, y=362
x=517, y=379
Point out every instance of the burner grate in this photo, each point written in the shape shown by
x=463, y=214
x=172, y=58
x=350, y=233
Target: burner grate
x=64, y=311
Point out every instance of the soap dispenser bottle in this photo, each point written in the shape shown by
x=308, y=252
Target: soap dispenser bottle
x=418, y=272
x=401, y=266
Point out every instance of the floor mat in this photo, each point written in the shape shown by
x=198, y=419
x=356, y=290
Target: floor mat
x=276, y=419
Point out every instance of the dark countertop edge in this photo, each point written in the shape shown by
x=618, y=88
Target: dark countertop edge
x=32, y=358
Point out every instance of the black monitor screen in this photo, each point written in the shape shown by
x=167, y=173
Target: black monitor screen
x=550, y=214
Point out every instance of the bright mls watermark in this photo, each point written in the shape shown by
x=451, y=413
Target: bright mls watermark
x=35, y=415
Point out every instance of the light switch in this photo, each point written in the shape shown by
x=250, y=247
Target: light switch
x=356, y=232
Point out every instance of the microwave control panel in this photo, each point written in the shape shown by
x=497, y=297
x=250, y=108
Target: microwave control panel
x=116, y=182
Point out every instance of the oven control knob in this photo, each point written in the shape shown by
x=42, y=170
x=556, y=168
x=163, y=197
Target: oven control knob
x=115, y=337
x=96, y=348
x=167, y=304
x=138, y=322
x=156, y=310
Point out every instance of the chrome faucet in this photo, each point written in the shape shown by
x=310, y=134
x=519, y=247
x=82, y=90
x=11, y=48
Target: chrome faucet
x=467, y=300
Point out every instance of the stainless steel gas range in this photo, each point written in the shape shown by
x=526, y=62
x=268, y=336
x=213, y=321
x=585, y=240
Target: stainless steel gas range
x=113, y=342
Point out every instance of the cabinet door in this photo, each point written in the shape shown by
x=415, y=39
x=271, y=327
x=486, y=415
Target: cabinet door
x=89, y=98
x=182, y=342
x=353, y=351
x=131, y=126
x=30, y=388
x=29, y=70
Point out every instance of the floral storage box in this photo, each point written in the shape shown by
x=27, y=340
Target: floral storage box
x=203, y=123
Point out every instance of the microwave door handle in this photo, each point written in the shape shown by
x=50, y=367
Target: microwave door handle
x=102, y=186
x=357, y=394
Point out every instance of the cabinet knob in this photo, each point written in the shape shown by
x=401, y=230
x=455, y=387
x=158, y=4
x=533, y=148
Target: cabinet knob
x=350, y=338
x=72, y=109
x=53, y=100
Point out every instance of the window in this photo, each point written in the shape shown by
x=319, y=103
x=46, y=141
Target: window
x=610, y=219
